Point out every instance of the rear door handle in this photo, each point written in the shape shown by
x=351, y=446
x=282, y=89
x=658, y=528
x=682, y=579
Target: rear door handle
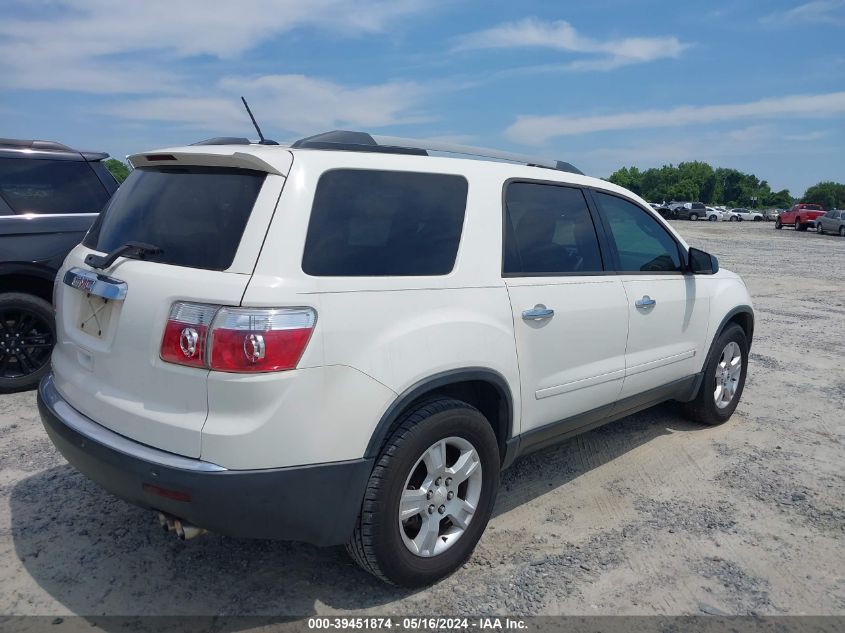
x=645, y=302
x=538, y=313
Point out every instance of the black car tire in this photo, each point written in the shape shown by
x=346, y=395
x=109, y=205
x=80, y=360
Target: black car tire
x=778, y=224
x=376, y=544
x=842, y=231
x=24, y=318
x=703, y=408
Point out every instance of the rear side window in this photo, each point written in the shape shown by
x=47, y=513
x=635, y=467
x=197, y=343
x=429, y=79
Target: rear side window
x=548, y=231
x=196, y=215
x=642, y=244
x=384, y=223
x=50, y=186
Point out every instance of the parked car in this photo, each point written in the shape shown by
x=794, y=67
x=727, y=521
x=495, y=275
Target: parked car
x=49, y=196
x=770, y=215
x=746, y=214
x=663, y=210
x=831, y=222
x=354, y=359
x=691, y=211
x=714, y=214
x=802, y=216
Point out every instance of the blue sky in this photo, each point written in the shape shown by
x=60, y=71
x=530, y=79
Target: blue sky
x=755, y=85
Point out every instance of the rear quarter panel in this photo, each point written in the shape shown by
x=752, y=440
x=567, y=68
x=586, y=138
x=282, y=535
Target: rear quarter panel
x=395, y=331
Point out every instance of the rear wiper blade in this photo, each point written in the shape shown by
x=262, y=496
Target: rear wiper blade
x=137, y=249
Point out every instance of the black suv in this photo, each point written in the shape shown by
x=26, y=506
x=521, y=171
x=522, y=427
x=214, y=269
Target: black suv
x=49, y=196
x=689, y=210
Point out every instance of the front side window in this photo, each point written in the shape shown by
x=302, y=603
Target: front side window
x=384, y=223
x=548, y=230
x=50, y=186
x=642, y=244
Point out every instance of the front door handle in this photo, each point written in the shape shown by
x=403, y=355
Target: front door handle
x=645, y=302
x=538, y=313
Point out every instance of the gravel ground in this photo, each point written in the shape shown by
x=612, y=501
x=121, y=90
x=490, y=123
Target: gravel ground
x=649, y=515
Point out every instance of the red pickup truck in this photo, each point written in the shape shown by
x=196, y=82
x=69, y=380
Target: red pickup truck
x=801, y=216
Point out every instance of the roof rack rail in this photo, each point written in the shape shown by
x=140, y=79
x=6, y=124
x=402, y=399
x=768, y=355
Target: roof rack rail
x=363, y=142
x=34, y=144
x=232, y=140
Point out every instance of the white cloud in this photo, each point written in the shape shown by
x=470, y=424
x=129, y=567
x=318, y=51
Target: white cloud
x=815, y=12
x=108, y=46
x=290, y=103
x=604, y=54
x=538, y=129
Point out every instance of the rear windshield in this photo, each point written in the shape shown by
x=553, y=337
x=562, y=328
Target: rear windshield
x=379, y=223
x=50, y=186
x=196, y=215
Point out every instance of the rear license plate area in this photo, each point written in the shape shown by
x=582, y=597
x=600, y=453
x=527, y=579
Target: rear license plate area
x=94, y=315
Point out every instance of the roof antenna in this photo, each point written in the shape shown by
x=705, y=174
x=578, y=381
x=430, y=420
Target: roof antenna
x=263, y=141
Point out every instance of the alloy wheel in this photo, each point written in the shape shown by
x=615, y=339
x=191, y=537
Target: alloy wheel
x=26, y=341
x=728, y=372
x=440, y=497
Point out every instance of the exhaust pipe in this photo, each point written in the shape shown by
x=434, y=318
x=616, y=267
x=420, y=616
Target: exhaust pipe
x=185, y=531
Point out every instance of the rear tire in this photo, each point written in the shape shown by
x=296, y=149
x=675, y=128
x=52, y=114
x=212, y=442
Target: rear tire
x=819, y=229
x=842, y=231
x=27, y=335
x=382, y=542
x=712, y=218
x=693, y=216
x=704, y=408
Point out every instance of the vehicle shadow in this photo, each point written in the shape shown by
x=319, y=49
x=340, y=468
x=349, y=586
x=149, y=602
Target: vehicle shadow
x=99, y=556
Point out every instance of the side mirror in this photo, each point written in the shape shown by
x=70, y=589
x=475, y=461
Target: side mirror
x=701, y=263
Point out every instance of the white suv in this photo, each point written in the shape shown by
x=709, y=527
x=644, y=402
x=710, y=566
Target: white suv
x=346, y=340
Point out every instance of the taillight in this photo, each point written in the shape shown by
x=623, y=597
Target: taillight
x=186, y=333
x=249, y=339
x=237, y=339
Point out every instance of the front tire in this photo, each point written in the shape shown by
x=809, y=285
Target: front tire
x=27, y=335
x=693, y=216
x=778, y=224
x=724, y=378
x=842, y=231
x=798, y=226
x=429, y=496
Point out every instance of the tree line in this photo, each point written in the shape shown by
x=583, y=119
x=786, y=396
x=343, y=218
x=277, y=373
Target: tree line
x=699, y=182
x=692, y=181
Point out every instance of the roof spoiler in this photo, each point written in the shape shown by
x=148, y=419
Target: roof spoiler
x=241, y=160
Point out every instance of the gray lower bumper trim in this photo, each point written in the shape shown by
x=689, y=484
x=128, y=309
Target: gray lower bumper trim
x=101, y=435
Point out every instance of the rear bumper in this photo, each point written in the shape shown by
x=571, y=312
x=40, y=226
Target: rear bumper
x=316, y=504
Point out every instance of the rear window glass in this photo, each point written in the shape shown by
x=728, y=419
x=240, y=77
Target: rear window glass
x=50, y=186
x=196, y=215
x=384, y=223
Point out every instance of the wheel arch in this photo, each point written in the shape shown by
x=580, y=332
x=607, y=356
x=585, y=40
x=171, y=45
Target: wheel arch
x=742, y=315
x=485, y=389
x=27, y=278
